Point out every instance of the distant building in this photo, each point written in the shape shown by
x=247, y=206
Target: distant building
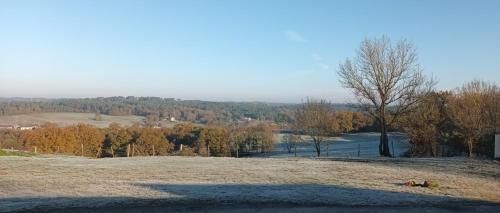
x=28, y=127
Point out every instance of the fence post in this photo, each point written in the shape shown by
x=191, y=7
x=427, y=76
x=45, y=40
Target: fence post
x=208, y=150
x=82, y=149
x=98, y=152
x=128, y=150
x=35, y=149
x=393, y=151
x=327, y=149
x=133, y=149
x=153, y=150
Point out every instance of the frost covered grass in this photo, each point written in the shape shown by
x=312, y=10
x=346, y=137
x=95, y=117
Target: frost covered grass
x=48, y=181
x=69, y=118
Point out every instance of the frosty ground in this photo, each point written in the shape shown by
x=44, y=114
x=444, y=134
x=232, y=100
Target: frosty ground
x=155, y=184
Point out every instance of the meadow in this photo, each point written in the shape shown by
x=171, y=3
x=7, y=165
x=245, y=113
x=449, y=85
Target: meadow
x=69, y=118
x=69, y=183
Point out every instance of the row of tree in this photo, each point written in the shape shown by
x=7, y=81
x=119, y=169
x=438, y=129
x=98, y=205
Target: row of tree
x=389, y=83
x=452, y=122
x=118, y=141
x=156, y=108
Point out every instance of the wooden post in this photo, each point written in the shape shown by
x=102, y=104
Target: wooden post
x=208, y=150
x=327, y=149
x=180, y=149
x=82, y=149
x=57, y=149
x=153, y=150
x=98, y=152
x=35, y=149
x=133, y=149
x=393, y=152
x=128, y=150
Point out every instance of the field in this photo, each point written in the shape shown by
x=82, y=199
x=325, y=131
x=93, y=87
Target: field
x=364, y=144
x=63, y=183
x=65, y=119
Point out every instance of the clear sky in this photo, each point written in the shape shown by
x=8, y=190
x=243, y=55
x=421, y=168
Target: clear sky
x=238, y=50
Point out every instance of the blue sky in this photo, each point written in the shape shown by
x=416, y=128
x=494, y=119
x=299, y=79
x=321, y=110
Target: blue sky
x=278, y=51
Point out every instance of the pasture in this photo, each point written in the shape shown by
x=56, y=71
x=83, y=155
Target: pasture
x=138, y=184
x=68, y=118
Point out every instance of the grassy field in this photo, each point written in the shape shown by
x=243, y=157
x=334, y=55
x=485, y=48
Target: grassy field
x=49, y=182
x=65, y=119
x=15, y=153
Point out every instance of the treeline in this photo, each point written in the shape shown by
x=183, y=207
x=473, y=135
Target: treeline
x=185, y=110
x=118, y=141
x=454, y=122
x=157, y=108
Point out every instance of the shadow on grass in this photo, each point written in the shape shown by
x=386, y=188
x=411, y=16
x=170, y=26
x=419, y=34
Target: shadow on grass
x=250, y=198
x=453, y=165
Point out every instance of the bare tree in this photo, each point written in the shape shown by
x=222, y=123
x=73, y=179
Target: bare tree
x=291, y=141
x=315, y=119
x=387, y=80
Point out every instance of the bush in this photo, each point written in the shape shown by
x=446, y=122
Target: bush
x=187, y=151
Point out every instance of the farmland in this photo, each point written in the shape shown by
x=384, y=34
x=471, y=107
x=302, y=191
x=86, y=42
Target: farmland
x=67, y=118
x=50, y=182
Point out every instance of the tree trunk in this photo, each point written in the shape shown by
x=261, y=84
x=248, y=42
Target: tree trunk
x=317, y=145
x=383, y=146
x=469, y=146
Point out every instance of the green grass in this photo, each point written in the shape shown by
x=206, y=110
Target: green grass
x=16, y=153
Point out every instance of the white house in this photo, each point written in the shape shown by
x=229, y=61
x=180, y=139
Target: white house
x=28, y=127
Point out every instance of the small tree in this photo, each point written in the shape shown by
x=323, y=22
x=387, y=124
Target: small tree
x=423, y=126
x=291, y=141
x=345, y=121
x=315, y=119
x=387, y=80
x=116, y=139
x=216, y=140
x=98, y=116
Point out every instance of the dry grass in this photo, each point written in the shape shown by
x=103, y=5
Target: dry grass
x=65, y=119
x=24, y=180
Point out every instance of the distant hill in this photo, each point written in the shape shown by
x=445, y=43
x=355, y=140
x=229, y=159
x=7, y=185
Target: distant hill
x=161, y=108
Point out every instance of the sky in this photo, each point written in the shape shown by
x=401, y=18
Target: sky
x=235, y=50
